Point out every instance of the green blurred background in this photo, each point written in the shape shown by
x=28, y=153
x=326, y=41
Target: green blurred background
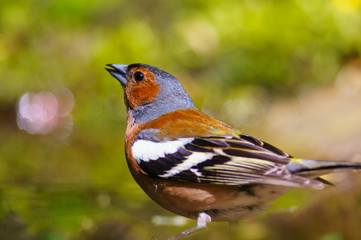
x=288, y=72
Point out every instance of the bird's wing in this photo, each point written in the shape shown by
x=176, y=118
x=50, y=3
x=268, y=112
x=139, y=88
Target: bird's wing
x=226, y=160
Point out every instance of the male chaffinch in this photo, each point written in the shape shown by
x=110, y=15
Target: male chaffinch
x=197, y=166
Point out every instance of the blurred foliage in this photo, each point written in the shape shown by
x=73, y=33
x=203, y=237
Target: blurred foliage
x=237, y=59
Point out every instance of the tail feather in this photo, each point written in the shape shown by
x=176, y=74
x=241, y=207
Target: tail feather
x=314, y=168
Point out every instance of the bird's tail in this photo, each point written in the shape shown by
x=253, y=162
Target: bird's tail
x=313, y=168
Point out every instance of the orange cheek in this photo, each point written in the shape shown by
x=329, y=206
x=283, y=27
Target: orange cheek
x=139, y=94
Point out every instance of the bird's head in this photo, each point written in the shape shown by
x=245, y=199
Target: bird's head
x=149, y=92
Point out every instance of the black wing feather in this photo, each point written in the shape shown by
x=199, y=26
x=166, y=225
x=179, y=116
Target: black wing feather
x=227, y=160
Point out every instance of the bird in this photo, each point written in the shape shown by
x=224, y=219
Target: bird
x=197, y=166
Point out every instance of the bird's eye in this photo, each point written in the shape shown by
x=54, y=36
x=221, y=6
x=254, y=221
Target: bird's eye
x=138, y=76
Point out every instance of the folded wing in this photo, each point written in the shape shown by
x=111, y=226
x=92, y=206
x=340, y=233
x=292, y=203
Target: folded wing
x=226, y=160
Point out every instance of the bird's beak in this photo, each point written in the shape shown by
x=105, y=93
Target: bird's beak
x=118, y=71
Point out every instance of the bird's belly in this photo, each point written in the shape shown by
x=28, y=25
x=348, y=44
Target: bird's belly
x=221, y=202
x=248, y=201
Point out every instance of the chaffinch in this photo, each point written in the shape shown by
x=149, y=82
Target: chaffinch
x=197, y=166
